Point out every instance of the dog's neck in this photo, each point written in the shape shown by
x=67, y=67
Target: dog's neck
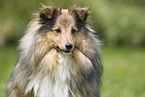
x=61, y=69
x=54, y=84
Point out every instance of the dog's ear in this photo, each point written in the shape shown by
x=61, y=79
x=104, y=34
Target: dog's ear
x=80, y=14
x=48, y=13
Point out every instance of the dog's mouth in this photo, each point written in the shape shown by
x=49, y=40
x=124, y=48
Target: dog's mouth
x=65, y=51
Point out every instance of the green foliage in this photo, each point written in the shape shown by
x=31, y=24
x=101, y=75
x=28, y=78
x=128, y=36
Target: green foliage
x=117, y=22
x=123, y=71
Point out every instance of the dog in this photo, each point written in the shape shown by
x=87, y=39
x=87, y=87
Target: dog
x=59, y=56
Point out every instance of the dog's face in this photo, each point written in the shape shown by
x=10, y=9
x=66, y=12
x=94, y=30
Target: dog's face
x=63, y=29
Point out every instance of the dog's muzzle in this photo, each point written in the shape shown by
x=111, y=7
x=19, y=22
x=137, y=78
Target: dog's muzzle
x=68, y=48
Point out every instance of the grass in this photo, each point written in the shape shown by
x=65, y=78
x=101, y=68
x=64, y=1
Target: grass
x=123, y=71
x=8, y=57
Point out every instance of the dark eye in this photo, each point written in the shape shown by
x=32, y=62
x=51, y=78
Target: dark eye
x=73, y=31
x=58, y=31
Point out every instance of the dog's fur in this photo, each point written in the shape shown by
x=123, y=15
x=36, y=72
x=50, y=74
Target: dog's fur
x=46, y=68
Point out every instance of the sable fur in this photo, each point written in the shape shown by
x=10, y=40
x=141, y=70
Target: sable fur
x=45, y=69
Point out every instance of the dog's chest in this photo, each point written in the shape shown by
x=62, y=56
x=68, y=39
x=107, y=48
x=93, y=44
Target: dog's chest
x=56, y=85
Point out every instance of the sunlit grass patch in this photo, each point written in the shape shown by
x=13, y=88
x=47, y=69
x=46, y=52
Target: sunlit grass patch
x=8, y=57
x=123, y=72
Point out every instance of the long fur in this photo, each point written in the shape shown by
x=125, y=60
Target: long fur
x=44, y=71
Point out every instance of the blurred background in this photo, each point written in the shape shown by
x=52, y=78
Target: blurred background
x=119, y=24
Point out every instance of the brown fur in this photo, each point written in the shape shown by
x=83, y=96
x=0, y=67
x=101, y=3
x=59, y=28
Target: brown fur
x=47, y=68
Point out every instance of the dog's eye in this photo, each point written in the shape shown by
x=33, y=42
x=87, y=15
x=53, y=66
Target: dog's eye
x=73, y=31
x=58, y=30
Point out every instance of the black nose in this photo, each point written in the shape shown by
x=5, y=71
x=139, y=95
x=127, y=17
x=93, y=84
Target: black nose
x=68, y=46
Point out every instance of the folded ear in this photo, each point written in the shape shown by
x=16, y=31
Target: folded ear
x=81, y=14
x=48, y=13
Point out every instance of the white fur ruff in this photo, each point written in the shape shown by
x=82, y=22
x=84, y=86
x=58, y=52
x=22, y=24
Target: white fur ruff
x=53, y=86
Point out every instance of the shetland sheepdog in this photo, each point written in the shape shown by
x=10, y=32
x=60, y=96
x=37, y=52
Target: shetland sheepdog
x=59, y=56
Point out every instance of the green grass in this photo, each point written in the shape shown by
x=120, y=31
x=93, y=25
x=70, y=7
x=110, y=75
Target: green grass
x=124, y=74
x=8, y=57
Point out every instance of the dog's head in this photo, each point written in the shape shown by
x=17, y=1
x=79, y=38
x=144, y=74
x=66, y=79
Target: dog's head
x=64, y=29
